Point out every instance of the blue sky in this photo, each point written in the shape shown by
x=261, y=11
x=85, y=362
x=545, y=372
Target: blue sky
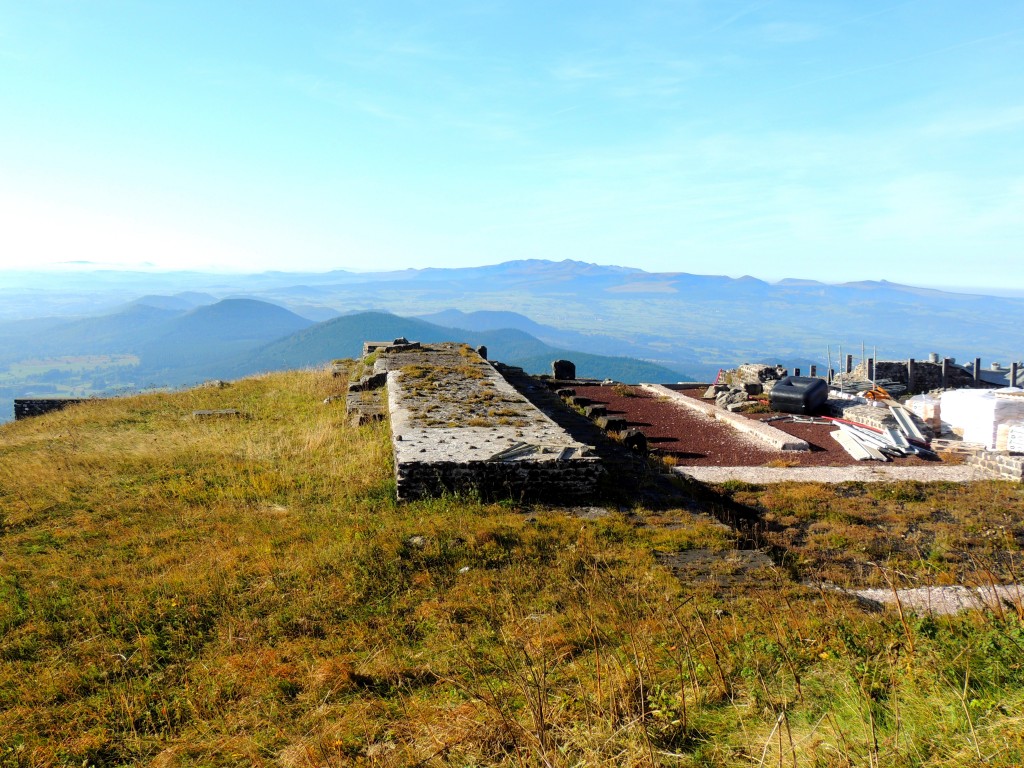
x=827, y=140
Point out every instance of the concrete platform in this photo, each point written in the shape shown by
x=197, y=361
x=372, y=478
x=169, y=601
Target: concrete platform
x=458, y=426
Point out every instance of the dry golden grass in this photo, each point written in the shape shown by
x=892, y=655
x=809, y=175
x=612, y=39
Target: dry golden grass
x=926, y=533
x=182, y=592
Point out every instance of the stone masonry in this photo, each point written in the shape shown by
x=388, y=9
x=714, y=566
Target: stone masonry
x=25, y=408
x=458, y=426
x=1003, y=464
x=927, y=375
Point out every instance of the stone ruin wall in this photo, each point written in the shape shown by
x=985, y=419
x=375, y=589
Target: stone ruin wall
x=459, y=427
x=25, y=408
x=927, y=375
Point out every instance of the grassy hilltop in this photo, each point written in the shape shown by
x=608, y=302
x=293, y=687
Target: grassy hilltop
x=181, y=592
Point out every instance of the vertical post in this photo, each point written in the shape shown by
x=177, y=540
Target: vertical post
x=814, y=371
x=871, y=369
x=977, y=368
x=831, y=375
x=910, y=376
x=796, y=371
x=849, y=363
x=945, y=372
x=1013, y=374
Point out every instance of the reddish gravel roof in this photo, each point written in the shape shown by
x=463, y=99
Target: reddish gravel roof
x=697, y=440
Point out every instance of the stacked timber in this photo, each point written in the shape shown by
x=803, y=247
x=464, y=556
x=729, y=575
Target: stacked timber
x=864, y=442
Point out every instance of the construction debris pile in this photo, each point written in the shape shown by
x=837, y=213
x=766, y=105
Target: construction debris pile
x=865, y=442
x=734, y=388
x=984, y=425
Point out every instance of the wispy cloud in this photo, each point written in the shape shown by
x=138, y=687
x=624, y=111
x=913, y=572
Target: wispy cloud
x=787, y=32
x=978, y=123
x=898, y=61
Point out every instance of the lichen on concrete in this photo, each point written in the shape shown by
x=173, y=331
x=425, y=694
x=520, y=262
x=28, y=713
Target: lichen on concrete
x=457, y=425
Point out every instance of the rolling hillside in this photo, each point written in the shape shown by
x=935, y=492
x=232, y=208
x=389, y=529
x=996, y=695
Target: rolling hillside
x=247, y=592
x=690, y=322
x=343, y=338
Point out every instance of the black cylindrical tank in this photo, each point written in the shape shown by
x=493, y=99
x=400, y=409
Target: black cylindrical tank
x=798, y=394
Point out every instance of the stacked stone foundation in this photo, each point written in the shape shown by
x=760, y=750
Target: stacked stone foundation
x=25, y=408
x=561, y=482
x=1002, y=464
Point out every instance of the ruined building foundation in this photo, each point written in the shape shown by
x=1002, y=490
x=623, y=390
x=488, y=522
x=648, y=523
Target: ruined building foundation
x=458, y=426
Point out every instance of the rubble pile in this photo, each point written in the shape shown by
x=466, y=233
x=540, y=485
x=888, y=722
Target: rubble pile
x=734, y=388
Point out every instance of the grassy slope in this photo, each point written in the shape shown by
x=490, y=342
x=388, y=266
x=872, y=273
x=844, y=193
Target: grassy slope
x=246, y=592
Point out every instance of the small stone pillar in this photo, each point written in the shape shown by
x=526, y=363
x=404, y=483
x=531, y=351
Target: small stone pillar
x=563, y=370
x=831, y=375
x=945, y=372
x=977, y=369
x=796, y=371
x=871, y=369
x=849, y=363
x=1013, y=374
x=910, y=375
x=814, y=371
x=482, y=351
x=636, y=441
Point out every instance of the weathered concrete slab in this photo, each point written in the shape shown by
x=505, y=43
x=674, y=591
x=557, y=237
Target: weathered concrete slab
x=766, y=433
x=458, y=425
x=940, y=600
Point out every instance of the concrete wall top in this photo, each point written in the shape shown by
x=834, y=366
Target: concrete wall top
x=448, y=404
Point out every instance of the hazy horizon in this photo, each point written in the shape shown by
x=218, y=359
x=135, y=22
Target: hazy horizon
x=81, y=267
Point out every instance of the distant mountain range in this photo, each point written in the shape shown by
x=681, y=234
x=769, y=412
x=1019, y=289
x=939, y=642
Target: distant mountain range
x=188, y=325
x=238, y=337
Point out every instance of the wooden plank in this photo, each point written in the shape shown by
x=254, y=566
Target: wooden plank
x=896, y=438
x=906, y=423
x=866, y=438
x=851, y=445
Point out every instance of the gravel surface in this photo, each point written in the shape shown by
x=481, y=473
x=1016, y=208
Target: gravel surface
x=864, y=472
x=695, y=440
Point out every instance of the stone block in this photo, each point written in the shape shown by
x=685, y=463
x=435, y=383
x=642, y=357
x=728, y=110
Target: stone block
x=366, y=383
x=563, y=370
x=636, y=441
x=612, y=423
x=730, y=396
